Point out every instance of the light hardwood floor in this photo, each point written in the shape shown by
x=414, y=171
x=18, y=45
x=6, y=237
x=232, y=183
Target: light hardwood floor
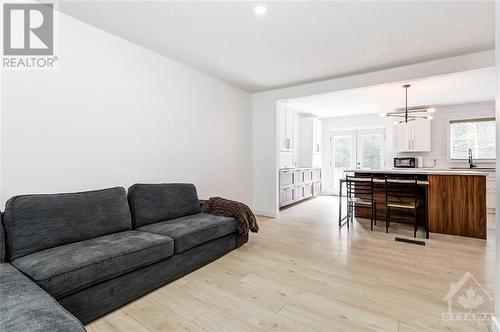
x=302, y=273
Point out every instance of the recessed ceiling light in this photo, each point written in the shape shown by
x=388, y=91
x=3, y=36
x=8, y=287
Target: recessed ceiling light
x=260, y=10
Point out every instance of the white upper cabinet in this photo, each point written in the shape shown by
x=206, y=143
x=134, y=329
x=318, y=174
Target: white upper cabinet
x=310, y=143
x=421, y=135
x=281, y=129
x=286, y=129
x=414, y=136
x=289, y=128
x=316, y=128
x=401, y=137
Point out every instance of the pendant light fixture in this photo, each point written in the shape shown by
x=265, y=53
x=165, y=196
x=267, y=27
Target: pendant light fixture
x=409, y=114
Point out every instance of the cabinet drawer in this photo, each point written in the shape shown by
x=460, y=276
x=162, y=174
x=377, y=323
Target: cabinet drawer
x=308, y=190
x=286, y=196
x=286, y=178
x=298, y=177
x=308, y=175
x=316, y=174
x=298, y=193
x=316, y=188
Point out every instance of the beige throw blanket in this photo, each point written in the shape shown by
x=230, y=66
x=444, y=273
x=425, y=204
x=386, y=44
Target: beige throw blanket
x=224, y=207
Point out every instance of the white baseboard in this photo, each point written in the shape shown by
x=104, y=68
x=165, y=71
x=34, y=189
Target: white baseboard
x=265, y=213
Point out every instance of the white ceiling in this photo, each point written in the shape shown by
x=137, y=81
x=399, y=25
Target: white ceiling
x=296, y=41
x=465, y=87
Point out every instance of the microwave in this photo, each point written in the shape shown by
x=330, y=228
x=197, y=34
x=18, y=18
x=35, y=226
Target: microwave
x=405, y=162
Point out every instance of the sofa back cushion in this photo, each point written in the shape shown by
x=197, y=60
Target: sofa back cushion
x=37, y=222
x=2, y=240
x=152, y=203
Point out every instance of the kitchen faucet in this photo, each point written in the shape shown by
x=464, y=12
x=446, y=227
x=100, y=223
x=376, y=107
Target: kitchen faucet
x=471, y=161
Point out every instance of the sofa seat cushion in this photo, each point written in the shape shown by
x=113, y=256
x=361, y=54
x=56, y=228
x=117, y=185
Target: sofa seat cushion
x=26, y=307
x=66, y=269
x=191, y=231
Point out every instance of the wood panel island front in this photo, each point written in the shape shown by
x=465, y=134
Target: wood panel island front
x=455, y=199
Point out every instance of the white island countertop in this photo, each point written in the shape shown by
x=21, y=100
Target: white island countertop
x=423, y=171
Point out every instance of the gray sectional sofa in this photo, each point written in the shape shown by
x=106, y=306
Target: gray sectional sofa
x=85, y=254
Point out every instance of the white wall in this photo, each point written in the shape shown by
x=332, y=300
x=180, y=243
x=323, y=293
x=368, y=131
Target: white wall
x=439, y=133
x=265, y=147
x=114, y=114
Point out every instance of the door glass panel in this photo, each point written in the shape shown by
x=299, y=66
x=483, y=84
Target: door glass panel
x=355, y=149
x=370, y=146
x=343, y=157
x=343, y=151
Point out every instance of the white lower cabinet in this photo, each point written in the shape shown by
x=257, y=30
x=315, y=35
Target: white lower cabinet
x=298, y=177
x=286, y=196
x=297, y=184
x=316, y=188
x=491, y=192
x=298, y=193
x=308, y=175
x=308, y=191
x=286, y=178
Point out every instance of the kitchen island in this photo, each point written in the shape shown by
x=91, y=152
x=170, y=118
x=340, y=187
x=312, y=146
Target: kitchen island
x=454, y=200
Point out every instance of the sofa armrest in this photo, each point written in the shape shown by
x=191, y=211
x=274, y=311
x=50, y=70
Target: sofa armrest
x=24, y=306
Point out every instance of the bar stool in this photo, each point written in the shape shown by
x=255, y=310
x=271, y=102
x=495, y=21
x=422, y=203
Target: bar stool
x=401, y=192
x=360, y=195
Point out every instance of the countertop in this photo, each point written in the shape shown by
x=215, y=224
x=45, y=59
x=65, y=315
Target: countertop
x=425, y=171
x=297, y=168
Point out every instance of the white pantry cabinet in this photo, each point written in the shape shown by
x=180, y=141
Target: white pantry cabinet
x=309, y=142
x=412, y=136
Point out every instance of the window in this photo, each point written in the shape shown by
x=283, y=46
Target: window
x=477, y=135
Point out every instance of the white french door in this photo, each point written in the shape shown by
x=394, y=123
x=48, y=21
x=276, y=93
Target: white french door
x=355, y=149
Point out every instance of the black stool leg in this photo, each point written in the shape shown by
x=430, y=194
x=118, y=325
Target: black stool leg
x=415, y=224
x=387, y=218
x=348, y=214
x=340, y=204
x=371, y=219
x=426, y=212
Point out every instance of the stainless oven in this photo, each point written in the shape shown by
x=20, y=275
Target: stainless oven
x=405, y=162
